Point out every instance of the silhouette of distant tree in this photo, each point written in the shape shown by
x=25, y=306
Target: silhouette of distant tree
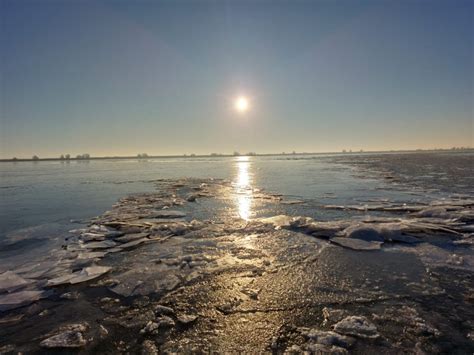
x=83, y=156
x=35, y=157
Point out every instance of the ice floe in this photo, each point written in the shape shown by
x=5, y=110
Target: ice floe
x=86, y=274
x=356, y=244
x=147, y=252
x=20, y=298
x=357, y=326
x=70, y=336
x=9, y=281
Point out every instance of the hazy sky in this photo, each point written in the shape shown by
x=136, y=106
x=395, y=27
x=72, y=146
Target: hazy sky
x=125, y=77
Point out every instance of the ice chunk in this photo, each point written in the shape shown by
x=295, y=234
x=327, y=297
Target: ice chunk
x=363, y=232
x=187, y=319
x=70, y=336
x=114, y=234
x=86, y=274
x=357, y=326
x=356, y=244
x=18, y=299
x=133, y=243
x=327, y=337
x=130, y=237
x=89, y=273
x=87, y=237
x=278, y=221
x=91, y=255
x=60, y=280
x=380, y=231
x=433, y=212
x=100, y=245
x=9, y=281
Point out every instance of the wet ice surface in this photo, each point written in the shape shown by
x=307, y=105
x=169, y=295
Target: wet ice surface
x=216, y=265
x=421, y=172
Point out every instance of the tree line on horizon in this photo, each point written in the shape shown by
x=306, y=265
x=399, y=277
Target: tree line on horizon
x=87, y=156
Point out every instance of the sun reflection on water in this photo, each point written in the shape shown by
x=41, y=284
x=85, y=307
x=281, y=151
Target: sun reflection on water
x=243, y=187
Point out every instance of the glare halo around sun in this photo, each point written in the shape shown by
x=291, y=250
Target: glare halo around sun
x=241, y=104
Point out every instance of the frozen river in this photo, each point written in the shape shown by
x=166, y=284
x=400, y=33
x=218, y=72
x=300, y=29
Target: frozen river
x=330, y=253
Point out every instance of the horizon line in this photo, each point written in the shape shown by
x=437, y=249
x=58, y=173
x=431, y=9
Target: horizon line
x=85, y=157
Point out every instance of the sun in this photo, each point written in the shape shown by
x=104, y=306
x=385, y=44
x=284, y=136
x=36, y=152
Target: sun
x=241, y=104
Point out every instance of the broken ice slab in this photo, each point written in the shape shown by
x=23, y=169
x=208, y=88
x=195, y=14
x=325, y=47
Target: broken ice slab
x=328, y=338
x=91, y=255
x=37, y=269
x=9, y=281
x=131, y=237
x=66, y=339
x=278, y=221
x=86, y=274
x=114, y=234
x=61, y=280
x=433, y=212
x=392, y=232
x=382, y=207
x=364, y=232
x=357, y=326
x=18, y=299
x=100, y=245
x=356, y=244
x=90, y=273
x=69, y=336
x=88, y=237
x=132, y=243
x=326, y=229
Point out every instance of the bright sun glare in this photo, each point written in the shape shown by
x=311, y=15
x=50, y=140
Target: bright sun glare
x=241, y=104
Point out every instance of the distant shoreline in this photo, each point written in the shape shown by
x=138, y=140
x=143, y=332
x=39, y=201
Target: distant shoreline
x=216, y=155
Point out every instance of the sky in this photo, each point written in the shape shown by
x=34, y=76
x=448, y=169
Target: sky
x=160, y=77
